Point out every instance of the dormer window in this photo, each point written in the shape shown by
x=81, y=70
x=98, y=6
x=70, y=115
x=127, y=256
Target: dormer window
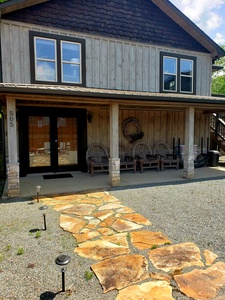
x=177, y=73
x=57, y=59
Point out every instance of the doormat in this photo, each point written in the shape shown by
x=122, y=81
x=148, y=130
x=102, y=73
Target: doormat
x=57, y=176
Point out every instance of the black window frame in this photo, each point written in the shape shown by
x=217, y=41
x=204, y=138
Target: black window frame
x=179, y=57
x=58, y=39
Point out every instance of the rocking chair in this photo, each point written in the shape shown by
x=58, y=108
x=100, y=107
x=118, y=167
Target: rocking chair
x=143, y=153
x=167, y=159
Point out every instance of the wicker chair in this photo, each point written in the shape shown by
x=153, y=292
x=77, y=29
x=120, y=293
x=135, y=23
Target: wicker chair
x=167, y=159
x=127, y=162
x=143, y=153
x=97, y=159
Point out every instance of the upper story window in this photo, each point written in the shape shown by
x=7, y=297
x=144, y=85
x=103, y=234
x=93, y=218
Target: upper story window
x=177, y=73
x=57, y=59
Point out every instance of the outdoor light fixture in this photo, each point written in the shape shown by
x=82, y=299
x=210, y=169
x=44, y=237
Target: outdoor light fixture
x=62, y=261
x=43, y=207
x=38, y=188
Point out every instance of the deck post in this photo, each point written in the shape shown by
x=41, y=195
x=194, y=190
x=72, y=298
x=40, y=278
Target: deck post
x=114, y=161
x=12, y=163
x=189, y=143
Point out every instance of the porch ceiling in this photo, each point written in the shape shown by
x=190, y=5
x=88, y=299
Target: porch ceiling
x=74, y=96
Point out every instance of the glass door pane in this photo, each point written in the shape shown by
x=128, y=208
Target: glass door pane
x=67, y=141
x=39, y=141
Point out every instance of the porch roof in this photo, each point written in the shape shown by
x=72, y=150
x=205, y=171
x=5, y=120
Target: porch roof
x=18, y=88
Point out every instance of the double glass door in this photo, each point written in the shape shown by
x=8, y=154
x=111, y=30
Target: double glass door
x=52, y=142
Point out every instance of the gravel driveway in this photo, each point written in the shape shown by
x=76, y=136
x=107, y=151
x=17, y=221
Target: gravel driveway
x=187, y=212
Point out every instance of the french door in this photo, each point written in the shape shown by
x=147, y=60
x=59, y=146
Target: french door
x=55, y=141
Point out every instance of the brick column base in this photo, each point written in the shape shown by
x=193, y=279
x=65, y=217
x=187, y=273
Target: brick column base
x=114, y=171
x=13, y=180
x=189, y=171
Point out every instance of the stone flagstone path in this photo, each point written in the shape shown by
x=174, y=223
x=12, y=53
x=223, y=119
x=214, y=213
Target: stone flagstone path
x=112, y=234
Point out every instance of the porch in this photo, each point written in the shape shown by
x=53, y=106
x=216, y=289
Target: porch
x=81, y=182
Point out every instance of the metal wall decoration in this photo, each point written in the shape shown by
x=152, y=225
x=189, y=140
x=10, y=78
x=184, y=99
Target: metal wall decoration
x=132, y=137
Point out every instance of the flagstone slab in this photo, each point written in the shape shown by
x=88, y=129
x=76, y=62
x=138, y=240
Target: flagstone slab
x=160, y=276
x=146, y=239
x=73, y=225
x=202, y=284
x=137, y=218
x=92, y=224
x=82, y=237
x=102, y=215
x=209, y=257
x=121, y=271
x=121, y=225
x=158, y=290
x=97, y=195
x=110, y=206
x=108, y=221
x=125, y=210
x=110, y=198
x=106, y=231
x=118, y=238
x=100, y=249
x=61, y=207
x=81, y=209
x=176, y=257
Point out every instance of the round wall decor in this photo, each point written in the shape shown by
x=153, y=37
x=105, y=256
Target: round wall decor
x=137, y=135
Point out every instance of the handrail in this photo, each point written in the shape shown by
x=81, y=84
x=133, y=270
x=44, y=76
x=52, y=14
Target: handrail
x=217, y=124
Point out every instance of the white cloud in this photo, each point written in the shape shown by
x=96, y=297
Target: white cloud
x=220, y=39
x=204, y=13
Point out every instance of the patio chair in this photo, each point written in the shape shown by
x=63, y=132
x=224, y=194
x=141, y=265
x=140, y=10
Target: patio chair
x=127, y=162
x=97, y=159
x=167, y=159
x=143, y=153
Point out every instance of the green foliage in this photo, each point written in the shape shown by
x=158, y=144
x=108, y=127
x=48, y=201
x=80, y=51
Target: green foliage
x=20, y=251
x=8, y=247
x=1, y=1
x=38, y=234
x=218, y=78
x=88, y=275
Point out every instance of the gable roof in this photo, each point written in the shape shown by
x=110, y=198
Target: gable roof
x=196, y=39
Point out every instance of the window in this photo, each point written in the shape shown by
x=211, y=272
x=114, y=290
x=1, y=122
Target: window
x=57, y=59
x=177, y=73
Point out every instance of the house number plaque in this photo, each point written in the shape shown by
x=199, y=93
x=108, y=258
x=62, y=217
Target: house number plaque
x=11, y=118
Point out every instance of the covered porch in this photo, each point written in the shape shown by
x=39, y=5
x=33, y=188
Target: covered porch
x=163, y=117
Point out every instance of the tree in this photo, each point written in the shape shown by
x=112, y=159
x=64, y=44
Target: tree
x=218, y=78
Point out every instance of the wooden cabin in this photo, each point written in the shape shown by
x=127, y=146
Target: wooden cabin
x=75, y=72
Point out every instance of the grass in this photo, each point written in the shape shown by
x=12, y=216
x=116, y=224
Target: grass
x=38, y=234
x=20, y=251
x=88, y=275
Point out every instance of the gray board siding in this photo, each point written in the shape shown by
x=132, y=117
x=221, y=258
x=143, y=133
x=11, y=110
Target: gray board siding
x=134, y=20
x=110, y=63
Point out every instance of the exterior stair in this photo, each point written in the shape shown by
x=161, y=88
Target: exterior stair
x=217, y=134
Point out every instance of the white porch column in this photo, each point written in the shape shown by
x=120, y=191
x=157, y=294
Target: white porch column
x=114, y=161
x=12, y=165
x=189, y=143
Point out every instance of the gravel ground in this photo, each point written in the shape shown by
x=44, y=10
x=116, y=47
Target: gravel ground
x=190, y=212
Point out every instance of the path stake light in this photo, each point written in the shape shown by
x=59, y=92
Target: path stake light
x=38, y=188
x=43, y=207
x=62, y=261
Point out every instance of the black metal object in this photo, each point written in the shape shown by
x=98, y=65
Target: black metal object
x=43, y=207
x=63, y=261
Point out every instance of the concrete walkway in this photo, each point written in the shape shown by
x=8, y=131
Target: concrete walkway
x=84, y=182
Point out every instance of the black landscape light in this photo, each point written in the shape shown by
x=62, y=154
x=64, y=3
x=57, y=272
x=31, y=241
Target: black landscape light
x=43, y=207
x=38, y=188
x=62, y=261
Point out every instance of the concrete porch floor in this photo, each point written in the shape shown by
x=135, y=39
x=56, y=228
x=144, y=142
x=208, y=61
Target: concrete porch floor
x=84, y=182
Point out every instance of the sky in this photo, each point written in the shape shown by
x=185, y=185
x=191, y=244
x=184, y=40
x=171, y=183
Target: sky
x=208, y=15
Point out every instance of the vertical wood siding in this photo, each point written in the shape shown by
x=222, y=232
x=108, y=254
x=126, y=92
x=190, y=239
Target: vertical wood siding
x=110, y=64
x=156, y=125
